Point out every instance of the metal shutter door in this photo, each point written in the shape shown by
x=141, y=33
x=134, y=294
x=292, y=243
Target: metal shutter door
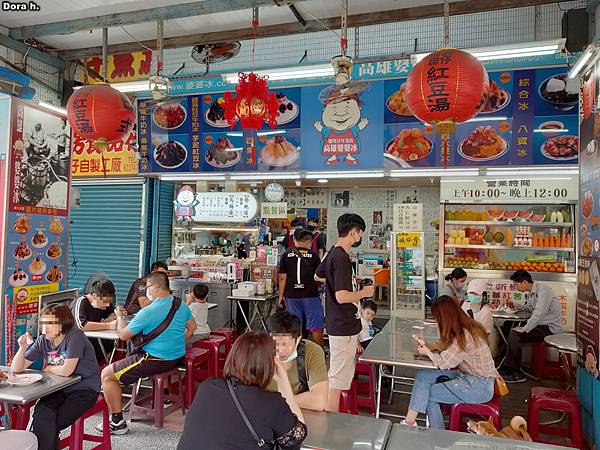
x=106, y=234
x=165, y=221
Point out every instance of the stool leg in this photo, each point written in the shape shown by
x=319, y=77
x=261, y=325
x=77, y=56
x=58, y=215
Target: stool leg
x=158, y=402
x=76, y=439
x=190, y=386
x=181, y=399
x=134, y=394
x=106, y=429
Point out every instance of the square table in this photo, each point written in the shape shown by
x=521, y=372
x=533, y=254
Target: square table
x=255, y=302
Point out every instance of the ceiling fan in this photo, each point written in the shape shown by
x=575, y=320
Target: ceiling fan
x=208, y=54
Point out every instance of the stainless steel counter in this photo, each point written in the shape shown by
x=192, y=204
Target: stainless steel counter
x=24, y=394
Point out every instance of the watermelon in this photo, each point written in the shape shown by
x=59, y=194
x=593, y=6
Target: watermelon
x=525, y=214
x=537, y=218
x=510, y=215
x=495, y=214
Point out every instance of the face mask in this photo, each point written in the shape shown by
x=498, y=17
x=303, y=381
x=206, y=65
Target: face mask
x=474, y=298
x=149, y=296
x=460, y=286
x=357, y=244
x=292, y=357
x=311, y=228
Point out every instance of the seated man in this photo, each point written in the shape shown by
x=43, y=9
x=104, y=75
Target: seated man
x=303, y=359
x=161, y=354
x=95, y=312
x=136, y=298
x=546, y=319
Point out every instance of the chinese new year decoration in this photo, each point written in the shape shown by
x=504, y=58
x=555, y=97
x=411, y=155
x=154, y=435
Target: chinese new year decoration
x=100, y=113
x=445, y=88
x=253, y=104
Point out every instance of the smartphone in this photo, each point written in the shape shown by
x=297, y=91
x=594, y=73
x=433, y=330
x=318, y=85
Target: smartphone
x=419, y=339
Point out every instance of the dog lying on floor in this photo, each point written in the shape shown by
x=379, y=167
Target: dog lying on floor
x=517, y=430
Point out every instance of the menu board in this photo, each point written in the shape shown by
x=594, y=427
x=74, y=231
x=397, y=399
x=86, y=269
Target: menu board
x=225, y=207
x=588, y=287
x=408, y=217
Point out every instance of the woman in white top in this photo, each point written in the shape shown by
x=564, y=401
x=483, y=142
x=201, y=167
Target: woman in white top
x=476, y=307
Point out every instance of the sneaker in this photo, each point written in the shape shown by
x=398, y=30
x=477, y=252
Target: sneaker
x=115, y=428
x=515, y=377
x=404, y=424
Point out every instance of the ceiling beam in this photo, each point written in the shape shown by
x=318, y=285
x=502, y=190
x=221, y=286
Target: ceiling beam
x=128, y=18
x=32, y=52
x=286, y=29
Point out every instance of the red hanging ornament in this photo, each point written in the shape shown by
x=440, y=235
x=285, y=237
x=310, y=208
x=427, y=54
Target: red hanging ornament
x=253, y=104
x=445, y=88
x=100, y=113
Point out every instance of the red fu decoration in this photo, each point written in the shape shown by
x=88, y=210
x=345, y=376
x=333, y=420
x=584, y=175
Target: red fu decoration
x=100, y=113
x=253, y=104
x=447, y=87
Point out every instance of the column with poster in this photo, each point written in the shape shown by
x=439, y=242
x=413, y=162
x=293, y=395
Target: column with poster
x=37, y=218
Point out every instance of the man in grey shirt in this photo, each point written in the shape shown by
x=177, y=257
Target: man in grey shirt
x=546, y=319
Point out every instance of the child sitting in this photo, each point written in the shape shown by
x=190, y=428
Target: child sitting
x=197, y=303
x=369, y=309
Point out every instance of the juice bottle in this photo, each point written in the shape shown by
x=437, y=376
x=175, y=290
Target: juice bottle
x=546, y=241
x=563, y=240
x=508, y=237
x=569, y=241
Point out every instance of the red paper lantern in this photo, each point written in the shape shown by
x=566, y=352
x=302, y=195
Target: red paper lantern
x=253, y=104
x=100, y=113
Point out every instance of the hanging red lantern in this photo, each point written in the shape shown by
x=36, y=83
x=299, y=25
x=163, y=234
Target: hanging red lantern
x=447, y=87
x=100, y=113
x=253, y=104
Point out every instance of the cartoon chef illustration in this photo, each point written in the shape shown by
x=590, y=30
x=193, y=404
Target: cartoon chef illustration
x=185, y=205
x=341, y=124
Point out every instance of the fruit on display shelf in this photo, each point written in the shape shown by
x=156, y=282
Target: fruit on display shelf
x=525, y=215
x=532, y=266
x=495, y=214
x=467, y=262
x=529, y=265
x=468, y=216
x=511, y=215
x=466, y=236
x=498, y=214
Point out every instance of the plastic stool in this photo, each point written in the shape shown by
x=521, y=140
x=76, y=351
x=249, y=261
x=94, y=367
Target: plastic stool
x=365, y=389
x=229, y=333
x=158, y=411
x=213, y=344
x=193, y=360
x=77, y=437
x=348, y=400
x=543, y=367
x=19, y=415
x=541, y=398
x=459, y=411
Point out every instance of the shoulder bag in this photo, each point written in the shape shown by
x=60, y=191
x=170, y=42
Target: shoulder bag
x=500, y=387
x=259, y=441
x=137, y=343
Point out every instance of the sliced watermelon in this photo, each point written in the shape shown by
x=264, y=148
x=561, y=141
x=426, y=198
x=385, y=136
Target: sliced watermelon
x=510, y=215
x=495, y=214
x=525, y=214
x=537, y=218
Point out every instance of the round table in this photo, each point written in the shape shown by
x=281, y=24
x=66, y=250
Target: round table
x=566, y=344
x=507, y=316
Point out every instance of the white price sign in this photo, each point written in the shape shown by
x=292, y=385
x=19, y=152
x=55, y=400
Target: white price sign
x=408, y=217
x=225, y=207
x=274, y=210
x=511, y=189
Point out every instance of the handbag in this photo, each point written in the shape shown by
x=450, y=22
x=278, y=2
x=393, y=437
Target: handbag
x=500, y=387
x=260, y=441
x=136, y=344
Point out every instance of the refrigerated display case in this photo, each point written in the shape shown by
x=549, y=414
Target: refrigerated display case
x=408, y=275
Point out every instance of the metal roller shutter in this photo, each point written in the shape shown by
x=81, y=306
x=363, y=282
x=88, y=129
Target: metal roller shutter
x=107, y=234
x=165, y=221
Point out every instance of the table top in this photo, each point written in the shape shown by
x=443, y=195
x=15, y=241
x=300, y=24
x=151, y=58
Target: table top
x=566, y=342
x=334, y=431
x=24, y=394
x=253, y=298
x=403, y=438
x=395, y=350
x=397, y=325
x=514, y=316
x=212, y=305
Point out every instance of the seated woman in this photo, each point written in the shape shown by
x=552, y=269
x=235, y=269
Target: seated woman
x=66, y=351
x=477, y=308
x=216, y=421
x=463, y=344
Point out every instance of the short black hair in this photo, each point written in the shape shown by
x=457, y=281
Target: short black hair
x=456, y=274
x=285, y=323
x=369, y=304
x=103, y=288
x=200, y=291
x=347, y=222
x=297, y=222
x=62, y=313
x=160, y=279
x=521, y=275
x=312, y=219
x=158, y=265
x=301, y=235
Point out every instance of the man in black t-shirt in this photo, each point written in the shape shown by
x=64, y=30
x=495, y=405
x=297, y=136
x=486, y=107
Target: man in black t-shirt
x=299, y=289
x=94, y=312
x=319, y=245
x=343, y=306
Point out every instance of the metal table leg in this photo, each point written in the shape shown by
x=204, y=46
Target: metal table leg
x=102, y=349
x=378, y=391
x=6, y=422
x=244, y=315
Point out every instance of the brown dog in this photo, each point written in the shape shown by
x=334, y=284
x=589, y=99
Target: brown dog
x=517, y=430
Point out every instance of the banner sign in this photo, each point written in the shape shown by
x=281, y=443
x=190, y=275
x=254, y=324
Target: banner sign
x=120, y=158
x=122, y=67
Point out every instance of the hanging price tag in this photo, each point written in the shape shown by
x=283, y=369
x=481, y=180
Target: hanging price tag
x=408, y=240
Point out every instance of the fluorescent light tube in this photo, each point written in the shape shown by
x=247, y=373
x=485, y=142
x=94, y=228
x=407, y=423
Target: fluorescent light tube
x=503, y=173
x=266, y=176
x=192, y=177
x=486, y=119
x=349, y=175
x=407, y=173
x=234, y=229
x=53, y=108
x=287, y=73
x=582, y=61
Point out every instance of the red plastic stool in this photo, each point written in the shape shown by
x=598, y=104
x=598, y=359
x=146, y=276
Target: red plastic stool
x=365, y=389
x=459, y=411
x=543, y=367
x=348, y=400
x=193, y=360
x=229, y=333
x=19, y=415
x=158, y=397
x=77, y=437
x=541, y=398
x=213, y=344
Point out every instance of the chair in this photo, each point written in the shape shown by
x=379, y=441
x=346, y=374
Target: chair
x=229, y=333
x=460, y=411
x=158, y=397
x=348, y=400
x=541, y=366
x=193, y=360
x=78, y=436
x=19, y=415
x=541, y=398
x=365, y=389
x=213, y=344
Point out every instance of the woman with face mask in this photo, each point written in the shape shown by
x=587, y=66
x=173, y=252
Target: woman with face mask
x=455, y=285
x=477, y=308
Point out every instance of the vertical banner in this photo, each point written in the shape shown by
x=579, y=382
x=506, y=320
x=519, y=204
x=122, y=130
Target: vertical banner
x=523, y=115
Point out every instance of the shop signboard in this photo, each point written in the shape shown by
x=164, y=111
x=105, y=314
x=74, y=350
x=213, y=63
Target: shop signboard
x=232, y=207
x=588, y=289
x=277, y=210
x=122, y=67
x=408, y=217
x=120, y=159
